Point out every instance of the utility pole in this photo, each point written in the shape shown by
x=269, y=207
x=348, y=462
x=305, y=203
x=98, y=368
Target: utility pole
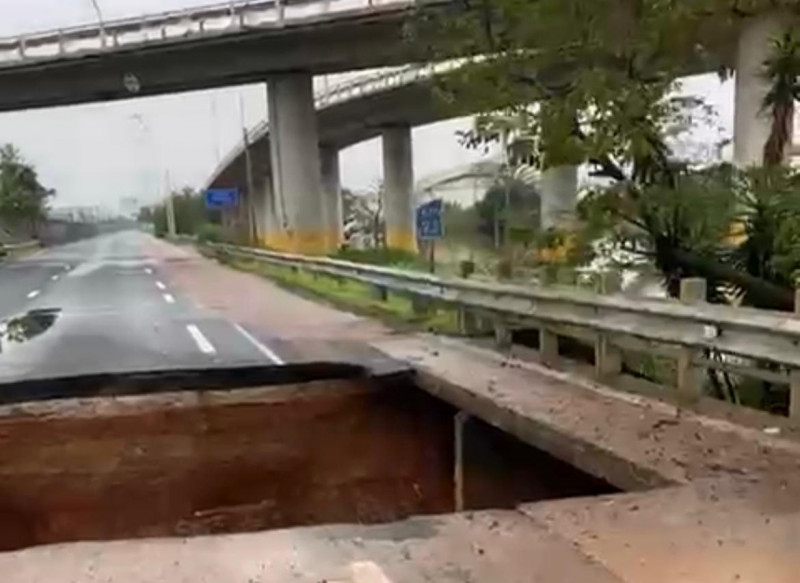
x=170, y=207
x=251, y=190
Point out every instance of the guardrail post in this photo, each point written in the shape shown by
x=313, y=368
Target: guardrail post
x=380, y=293
x=548, y=346
x=421, y=306
x=689, y=377
x=468, y=324
x=794, y=375
x=607, y=357
x=458, y=462
x=281, y=11
x=502, y=334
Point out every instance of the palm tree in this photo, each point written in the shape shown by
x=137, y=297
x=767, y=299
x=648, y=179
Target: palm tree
x=782, y=69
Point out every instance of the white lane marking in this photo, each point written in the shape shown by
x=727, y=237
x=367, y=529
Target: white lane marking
x=160, y=285
x=34, y=293
x=148, y=271
x=202, y=342
x=263, y=349
x=169, y=298
x=55, y=277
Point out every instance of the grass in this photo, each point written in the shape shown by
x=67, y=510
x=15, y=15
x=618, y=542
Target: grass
x=360, y=298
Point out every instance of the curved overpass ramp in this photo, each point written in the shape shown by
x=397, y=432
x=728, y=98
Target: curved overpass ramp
x=347, y=114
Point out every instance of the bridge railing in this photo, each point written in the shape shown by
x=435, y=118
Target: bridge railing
x=21, y=247
x=753, y=343
x=211, y=20
x=383, y=81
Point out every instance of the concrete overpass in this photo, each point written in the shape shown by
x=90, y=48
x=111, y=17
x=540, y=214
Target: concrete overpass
x=215, y=46
x=386, y=104
x=378, y=107
x=287, y=43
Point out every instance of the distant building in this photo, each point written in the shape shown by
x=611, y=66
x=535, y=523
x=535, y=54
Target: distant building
x=79, y=214
x=129, y=207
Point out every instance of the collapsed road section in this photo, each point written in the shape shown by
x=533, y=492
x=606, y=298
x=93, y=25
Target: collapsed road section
x=494, y=470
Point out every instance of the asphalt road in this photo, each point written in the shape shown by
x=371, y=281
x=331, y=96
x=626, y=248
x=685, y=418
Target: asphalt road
x=102, y=305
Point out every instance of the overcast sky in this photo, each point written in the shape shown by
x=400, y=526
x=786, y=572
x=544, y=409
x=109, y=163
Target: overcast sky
x=98, y=153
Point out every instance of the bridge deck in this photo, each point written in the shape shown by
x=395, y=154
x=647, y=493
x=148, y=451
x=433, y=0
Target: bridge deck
x=631, y=441
x=712, y=532
x=715, y=500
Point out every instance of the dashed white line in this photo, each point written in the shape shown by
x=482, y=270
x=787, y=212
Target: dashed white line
x=148, y=270
x=34, y=293
x=160, y=285
x=169, y=298
x=266, y=351
x=202, y=342
x=54, y=277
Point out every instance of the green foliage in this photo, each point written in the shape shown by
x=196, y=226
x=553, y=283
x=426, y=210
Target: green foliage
x=191, y=216
x=23, y=200
x=520, y=215
x=782, y=69
x=211, y=233
x=603, y=71
x=461, y=223
x=363, y=215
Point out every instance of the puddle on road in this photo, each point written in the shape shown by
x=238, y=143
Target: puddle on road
x=21, y=329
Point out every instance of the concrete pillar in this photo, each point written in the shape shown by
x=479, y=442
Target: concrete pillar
x=559, y=196
x=265, y=210
x=398, y=188
x=331, y=194
x=296, y=177
x=751, y=123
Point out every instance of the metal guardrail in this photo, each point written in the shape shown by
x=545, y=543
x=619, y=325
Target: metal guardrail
x=24, y=246
x=666, y=327
x=205, y=21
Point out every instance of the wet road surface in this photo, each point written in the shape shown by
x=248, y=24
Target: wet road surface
x=106, y=305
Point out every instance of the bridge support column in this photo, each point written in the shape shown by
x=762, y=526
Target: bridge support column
x=558, y=196
x=296, y=178
x=266, y=215
x=398, y=188
x=751, y=123
x=331, y=195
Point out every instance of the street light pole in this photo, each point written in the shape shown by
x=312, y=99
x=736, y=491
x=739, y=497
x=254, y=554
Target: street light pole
x=251, y=191
x=100, y=21
x=172, y=229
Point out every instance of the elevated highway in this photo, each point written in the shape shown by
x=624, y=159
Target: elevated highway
x=215, y=46
x=287, y=44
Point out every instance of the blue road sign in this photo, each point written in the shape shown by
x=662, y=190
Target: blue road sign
x=430, y=220
x=220, y=198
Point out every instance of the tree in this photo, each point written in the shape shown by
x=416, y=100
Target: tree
x=23, y=199
x=781, y=69
x=520, y=220
x=191, y=214
x=595, y=82
x=363, y=216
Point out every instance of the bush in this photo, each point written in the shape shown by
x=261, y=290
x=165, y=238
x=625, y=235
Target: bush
x=210, y=233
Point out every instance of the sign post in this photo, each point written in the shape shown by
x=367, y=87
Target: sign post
x=430, y=226
x=221, y=198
